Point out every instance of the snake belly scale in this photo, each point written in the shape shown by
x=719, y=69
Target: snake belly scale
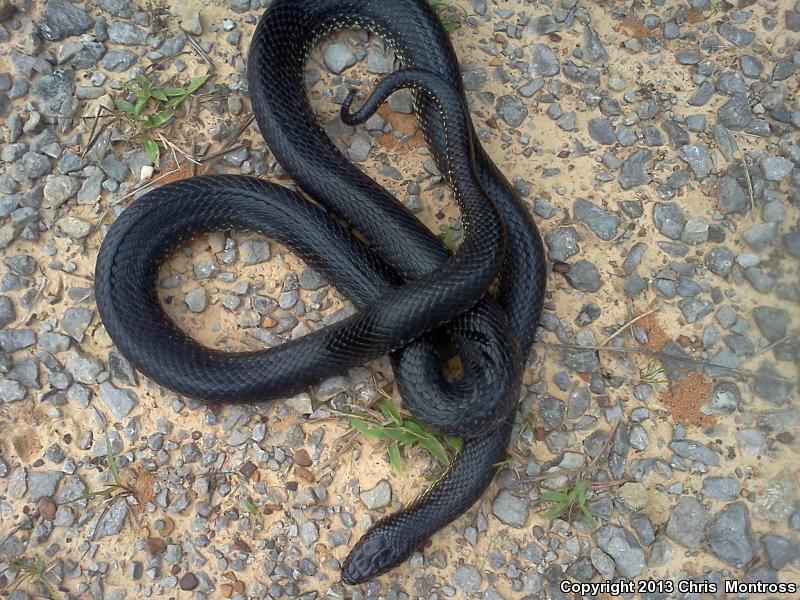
x=411, y=293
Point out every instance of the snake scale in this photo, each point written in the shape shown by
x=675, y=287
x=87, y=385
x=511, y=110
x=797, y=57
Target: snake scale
x=414, y=298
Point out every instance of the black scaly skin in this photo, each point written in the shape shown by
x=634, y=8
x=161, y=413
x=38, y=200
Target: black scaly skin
x=492, y=338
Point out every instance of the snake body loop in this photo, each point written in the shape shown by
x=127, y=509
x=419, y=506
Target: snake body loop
x=410, y=293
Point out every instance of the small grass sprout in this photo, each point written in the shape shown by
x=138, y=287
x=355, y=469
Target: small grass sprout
x=29, y=572
x=113, y=492
x=653, y=373
x=398, y=431
x=149, y=108
x=569, y=503
x=445, y=10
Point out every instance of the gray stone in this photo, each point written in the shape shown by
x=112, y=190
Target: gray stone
x=669, y=219
x=722, y=488
x=694, y=309
x=196, y=300
x=309, y=533
x=311, y=279
x=687, y=523
x=584, y=276
x=751, y=66
x=467, y=578
x=695, y=231
x=772, y=322
x=783, y=69
x=337, y=57
x=7, y=311
x=632, y=173
x=776, y=168
x=43, y=484
x=58, y=189
x=696, y=156
x=11, y=391
x=603, y=223
x=254, y=252
x=510, y=509
x=12, y=340
x=544, y=62
x=731, y=196
x=780, y=550
x=511, y=110
x=730, y=537
x=75, y=322
x=731, y=83
x=735, y=114
x=562, y=243
x=621, y=546
x=777, y=500
x=601, y=131
x=738, y=37
x=120, y=32
x=54, y=93
x=119, y=402
x=694, y=450
x=379, y=496
x=83, y=368
x=62, y=19
x=720, y=261
x=702, y=95
x=113, y=521
x=74, y=227
x=118, y=61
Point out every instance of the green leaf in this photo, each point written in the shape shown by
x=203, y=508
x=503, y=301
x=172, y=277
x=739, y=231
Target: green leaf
x=158, y=94
x=450, y=26
x=125, y=106
x=447, y=239
x=152, y=150
x=368, y=431
x=390, y=411
x=140, y=104
x=196, y=83
x=394, y=457
x=399, y=435
x=554, y=512
x=432, y=445
x=453, y=442
x=554, y=496
x=415, y=428
x=161, y=118
x=112, y=464
x=176, y=91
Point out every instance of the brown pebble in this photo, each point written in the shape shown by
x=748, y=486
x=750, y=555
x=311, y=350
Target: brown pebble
x=247, y=469
x=226, y=589
x=188, y=582
x=291, y=486
x=238, y=586
x=154, y=545
x=302, y=458
x=304, y=474
x=230, y=575
x=169, y=527
x=47, y=508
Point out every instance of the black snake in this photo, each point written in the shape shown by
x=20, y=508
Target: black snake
x=411, y=294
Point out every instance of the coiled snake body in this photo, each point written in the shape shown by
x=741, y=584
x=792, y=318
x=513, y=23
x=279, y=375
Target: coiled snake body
x=411, y=294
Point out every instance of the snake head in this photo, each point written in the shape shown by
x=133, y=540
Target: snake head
x=374, y=554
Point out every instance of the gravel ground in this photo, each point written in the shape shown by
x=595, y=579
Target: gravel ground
x=657, y=146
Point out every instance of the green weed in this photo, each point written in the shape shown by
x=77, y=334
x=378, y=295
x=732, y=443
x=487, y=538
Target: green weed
x=27, y=573
x=149, y=108
x=113, y=492
x=399, y=431
x=570, y=502
x=653, y=373
x=445, y=11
